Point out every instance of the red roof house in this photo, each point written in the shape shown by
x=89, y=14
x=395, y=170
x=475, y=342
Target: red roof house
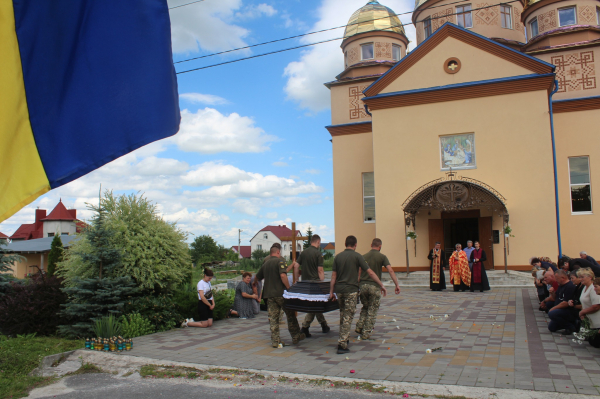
x=245, y=250
x=60, y=213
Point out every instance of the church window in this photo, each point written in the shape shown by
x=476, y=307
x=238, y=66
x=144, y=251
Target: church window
x=579, y=181
x=427, y=27
x=463, y=16
x=566, y=16
x=345, y=59
x=598, y=15
x=506, y=16
x=367, y=51
x=396, y=52
x=369, y=197
x=534, y=27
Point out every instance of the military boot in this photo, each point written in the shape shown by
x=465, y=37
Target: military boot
x=325, y=328
x=298, y=338
x=305, y=331
x=341, y=351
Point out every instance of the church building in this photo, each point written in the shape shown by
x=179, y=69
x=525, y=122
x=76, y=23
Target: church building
x=487, y=130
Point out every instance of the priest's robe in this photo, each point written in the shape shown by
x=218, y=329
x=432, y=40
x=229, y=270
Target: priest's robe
x=460, y=274
x=437, y=279
x=479, y=280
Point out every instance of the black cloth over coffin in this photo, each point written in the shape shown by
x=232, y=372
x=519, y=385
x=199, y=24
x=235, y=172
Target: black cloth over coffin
x=311, y=288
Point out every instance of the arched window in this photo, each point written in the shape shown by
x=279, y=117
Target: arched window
x=265, y=236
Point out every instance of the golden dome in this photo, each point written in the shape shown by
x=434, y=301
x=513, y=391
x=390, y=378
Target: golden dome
x=419, y=2
x=373, y=17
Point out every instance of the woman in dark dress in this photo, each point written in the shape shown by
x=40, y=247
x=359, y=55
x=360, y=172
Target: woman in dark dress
x=479, y=278
x=244, y=298
x=437, y=279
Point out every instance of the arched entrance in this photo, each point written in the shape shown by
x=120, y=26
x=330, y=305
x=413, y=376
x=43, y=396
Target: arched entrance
x=459, y=200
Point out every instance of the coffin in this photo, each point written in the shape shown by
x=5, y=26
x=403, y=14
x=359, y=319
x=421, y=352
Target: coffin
x=310, y=297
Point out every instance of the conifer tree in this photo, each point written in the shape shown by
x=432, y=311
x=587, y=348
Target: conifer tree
x=55, y=255
x=91, y=298
x=6, y=263
x=309, y=234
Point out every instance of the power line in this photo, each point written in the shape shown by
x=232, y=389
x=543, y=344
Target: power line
x=307, y=34
x=325, y=41
x=187, y=4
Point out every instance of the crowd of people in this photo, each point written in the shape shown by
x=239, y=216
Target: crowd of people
x=353, y=276
x=569, y=292
x=466, y=266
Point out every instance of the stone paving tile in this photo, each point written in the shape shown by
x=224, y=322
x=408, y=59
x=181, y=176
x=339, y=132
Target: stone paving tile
x=495, y=339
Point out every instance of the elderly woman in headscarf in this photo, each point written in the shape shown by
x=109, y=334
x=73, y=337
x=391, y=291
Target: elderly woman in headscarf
x=460, y=274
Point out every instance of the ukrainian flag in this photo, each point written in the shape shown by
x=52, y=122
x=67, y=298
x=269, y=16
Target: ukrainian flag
x=82, y=82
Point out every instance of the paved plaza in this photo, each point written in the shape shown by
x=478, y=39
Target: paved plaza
x=494, y=339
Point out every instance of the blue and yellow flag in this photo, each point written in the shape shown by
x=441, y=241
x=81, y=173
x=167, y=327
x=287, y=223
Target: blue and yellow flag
x=82, y=82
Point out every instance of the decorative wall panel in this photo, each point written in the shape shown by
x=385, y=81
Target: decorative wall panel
x=587, y=16
x=487, y=16
x=353, y=56
x=575, y=71
x=440, y=18
x=517, y=19
x=547, y=21
x=357, y=107
x=383, y=51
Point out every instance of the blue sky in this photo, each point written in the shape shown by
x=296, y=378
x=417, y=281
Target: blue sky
x=252, y=149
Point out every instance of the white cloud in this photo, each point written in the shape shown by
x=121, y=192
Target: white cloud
x=246, y=206
x=256, y=11
x=208, y=131
x=263, y=187
x=312, y=171
x=207, y=25
x=214, y=174
x=199, y=98
x=321, y=63
x=271, y=215
x=280, y=164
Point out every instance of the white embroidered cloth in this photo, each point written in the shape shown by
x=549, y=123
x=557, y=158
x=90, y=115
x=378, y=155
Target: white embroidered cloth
x=307, y=297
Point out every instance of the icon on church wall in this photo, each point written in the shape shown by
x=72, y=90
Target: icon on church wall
x=458, y=151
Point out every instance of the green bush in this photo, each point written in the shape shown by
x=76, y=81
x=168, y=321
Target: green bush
x=186, y=300
x=135, y=325
x=161, y=310
x=223, y=302
x=106, y=327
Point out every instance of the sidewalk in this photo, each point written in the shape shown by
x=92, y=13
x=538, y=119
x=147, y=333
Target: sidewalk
x=497, y=339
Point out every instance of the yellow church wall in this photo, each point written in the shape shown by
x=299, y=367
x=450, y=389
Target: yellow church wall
x=352, y=156
x=486, y=21
x=507, y=140
x=346, y=103
x=475, y=65
x=382, y=49
x=577, y=72
x=574, y=132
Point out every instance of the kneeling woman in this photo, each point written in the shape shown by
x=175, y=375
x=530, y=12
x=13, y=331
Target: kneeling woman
x=206, y=302
x=244, y=297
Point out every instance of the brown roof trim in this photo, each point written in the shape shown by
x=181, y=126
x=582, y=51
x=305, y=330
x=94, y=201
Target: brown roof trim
x=569, y=46
x=450, y=30
x=443, y=94
x=374, y=33
x=565, y=30
x=350, y=128
x=352, y=80
x=578, y=104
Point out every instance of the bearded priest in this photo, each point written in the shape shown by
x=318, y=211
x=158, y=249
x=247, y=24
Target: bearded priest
x=460, y=274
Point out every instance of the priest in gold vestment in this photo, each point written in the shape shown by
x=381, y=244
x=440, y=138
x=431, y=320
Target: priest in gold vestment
x=437, y=279
x=460, y=274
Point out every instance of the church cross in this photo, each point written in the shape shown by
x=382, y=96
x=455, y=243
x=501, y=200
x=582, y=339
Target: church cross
x=294, y=238
x=453, y=66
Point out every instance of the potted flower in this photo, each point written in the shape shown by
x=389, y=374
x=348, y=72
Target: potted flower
x=411, y=235
x=508, y=231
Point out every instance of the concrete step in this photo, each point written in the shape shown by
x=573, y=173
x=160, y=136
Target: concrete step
x=497, y=278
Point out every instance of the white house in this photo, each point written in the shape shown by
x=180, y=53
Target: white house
x=272, y=234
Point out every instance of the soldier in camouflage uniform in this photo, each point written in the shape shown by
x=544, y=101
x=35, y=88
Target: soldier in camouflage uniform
x=370, y=293
x=344, y=282
x=274, y=272
x=310, y=263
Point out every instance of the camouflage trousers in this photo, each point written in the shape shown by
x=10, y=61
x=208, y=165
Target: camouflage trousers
x=370, y=297
x=311, y=316
x=275, y=306
x=347, y=309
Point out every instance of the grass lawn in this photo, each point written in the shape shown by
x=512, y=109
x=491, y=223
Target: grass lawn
x=19, y=356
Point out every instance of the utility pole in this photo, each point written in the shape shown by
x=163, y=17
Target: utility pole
x=239, y=242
